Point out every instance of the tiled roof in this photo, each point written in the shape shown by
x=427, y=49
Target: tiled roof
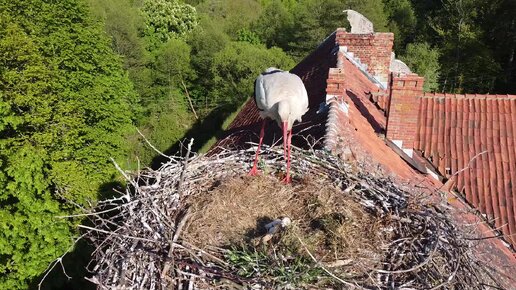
x=355, y=125
x=472, y=138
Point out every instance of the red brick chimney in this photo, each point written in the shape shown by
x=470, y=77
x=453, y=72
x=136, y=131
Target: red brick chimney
x=373, y=49
x=403, y=110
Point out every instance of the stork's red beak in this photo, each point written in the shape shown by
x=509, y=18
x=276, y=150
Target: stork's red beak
x=286, y=150
x=285, y=136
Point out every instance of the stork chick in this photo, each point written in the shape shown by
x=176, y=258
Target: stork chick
x=280, y=96
x=274, y=227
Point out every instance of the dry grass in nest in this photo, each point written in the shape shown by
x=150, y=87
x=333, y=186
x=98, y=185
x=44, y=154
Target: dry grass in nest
x=230, y=213
x=333, y=226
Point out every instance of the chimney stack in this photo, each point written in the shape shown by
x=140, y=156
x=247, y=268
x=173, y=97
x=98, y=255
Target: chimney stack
x=403, y=109
x=373, y=49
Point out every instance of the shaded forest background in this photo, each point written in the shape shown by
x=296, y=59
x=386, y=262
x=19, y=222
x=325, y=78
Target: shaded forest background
x=78, y=76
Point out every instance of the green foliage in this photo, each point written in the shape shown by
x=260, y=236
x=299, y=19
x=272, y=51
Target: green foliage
x=423, y=60
x=171, y=67
x=167, y=19
x=231, y=15
x=65, y=108
x=166, y=125
x=296, y=270
x=193, y=2
x=30, y=233
x=124, y=23
x=401, y=21
x=299, y=27
x=474, y=69
x=313, y=21
x=499, y=25
x=247, y=35
x=462, y=31
x=207, y=40
x=235, y=68
x=169, y=123
x=470, y=62
x=275, y=24
x=159, y=65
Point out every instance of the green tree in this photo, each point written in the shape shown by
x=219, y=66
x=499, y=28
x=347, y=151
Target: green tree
x=247, y=35
x=423, y=60
x=124, y=23
x=231, y=15
x=499, y=36
x=30, y=235
x=475, y=40
x=167, y=19
x=275, y=24
x=171, y=68
x=471, y=66
x=235, y=68
x=167, y=124
x=172, y=65
x=205, y=41
x=313, y=21
x=402, y=22
x=65, y=108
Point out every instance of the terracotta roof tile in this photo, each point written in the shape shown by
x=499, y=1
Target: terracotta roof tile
x=476, y=133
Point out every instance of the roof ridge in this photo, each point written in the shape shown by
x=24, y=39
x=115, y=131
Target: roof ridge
x=469, y=96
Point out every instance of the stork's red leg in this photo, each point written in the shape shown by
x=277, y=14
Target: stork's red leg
x=254, y=170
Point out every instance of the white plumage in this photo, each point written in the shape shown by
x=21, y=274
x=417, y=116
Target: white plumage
x=280, y=96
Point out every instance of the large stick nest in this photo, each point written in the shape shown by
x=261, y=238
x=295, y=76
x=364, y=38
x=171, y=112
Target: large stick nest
x=190, y=225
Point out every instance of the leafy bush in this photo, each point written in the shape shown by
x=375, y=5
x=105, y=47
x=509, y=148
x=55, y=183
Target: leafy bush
x=423, y=60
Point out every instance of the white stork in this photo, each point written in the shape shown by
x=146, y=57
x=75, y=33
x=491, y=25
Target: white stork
x=280, y=96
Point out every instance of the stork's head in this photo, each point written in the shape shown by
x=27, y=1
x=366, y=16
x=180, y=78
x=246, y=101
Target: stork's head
x=271, y=69
x=284, y=115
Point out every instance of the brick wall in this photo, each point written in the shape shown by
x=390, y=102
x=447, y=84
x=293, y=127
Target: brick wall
x=372, y=49
x=336, y=82
x=403, y=110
